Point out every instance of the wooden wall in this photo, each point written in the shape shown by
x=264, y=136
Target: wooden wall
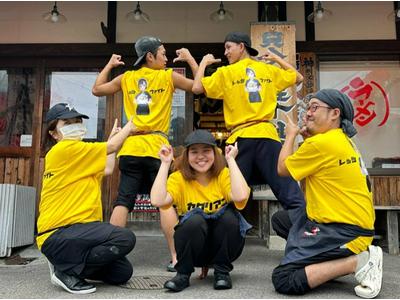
x=386, y=190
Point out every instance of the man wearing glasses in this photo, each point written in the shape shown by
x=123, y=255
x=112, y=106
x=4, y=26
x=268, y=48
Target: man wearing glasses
x=333, y=236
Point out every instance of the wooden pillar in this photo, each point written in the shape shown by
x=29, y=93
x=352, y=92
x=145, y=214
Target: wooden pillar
x=279, y=38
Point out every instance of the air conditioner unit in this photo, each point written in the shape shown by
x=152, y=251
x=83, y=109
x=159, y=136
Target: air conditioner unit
x=17, y=217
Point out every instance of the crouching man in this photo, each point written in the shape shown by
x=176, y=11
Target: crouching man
x=333, y=236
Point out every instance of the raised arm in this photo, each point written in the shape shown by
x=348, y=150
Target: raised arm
x=115, y=141
x=206, y=61
x=184, y=54
x=159, y=196
x=239, y=189
x=269, y=56
x=102, y=86
x=291, y=132
x=180, y=81
x=110, y=163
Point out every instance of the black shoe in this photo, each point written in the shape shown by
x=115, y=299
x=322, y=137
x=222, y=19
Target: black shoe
x=171, y=267
x=178, y=283
x=222, y=281
x=72, y=284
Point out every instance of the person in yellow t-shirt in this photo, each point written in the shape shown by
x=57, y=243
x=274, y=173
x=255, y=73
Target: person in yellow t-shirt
x=148, y=92
x=332, y=236
x=207, y=196
x=249, y=89
x=71, y=234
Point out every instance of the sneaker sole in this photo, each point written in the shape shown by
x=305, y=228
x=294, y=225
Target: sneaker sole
x=56, y=281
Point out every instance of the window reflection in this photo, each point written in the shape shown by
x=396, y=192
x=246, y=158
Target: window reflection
x=17, y=94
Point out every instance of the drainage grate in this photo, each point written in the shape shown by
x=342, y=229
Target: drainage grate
x=146, y=282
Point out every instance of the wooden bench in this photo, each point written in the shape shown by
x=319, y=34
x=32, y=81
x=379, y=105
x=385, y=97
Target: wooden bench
x=268, y=205
x=392, y=227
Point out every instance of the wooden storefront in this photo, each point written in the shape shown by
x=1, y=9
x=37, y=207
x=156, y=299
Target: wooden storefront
x=24, y=165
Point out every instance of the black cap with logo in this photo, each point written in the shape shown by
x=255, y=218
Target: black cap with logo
x=63, y=111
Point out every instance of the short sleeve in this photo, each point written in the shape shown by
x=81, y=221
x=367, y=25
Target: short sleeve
x=174, y=186
x=305, y=161
x=213, y=85
x=284, y=78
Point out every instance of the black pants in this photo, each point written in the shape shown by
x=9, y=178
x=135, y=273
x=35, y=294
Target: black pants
x=137, y=177
x=291, y=278
x=258, y=160
x=200, y=242
x=93, y=250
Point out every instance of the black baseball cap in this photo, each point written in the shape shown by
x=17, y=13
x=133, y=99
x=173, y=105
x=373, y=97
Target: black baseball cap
x=63, y=111
x=145, y=45
x=200, y=136
x=241, y=37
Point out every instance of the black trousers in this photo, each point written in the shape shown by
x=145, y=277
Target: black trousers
x=291, y=278
x=93, y=250
x=200, y=242
x=137, y=177
x=258, y=160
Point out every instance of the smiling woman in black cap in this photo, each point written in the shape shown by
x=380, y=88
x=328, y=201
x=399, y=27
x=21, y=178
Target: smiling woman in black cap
x=148, y=92
x=207, y=196
x=70, y=232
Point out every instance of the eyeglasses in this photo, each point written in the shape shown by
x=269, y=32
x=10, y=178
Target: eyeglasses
x=314, y=107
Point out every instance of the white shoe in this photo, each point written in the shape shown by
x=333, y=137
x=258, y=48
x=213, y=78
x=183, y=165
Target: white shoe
x=370, y=275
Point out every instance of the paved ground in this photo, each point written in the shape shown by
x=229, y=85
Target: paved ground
x=251, y=277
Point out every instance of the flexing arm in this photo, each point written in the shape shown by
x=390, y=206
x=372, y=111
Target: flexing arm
x=102, y=86
x=283, y=64
x=180, y=81
x=239, y=188
x=184, y=54
x=206, y=61
x=291, y=132
x=110, y=163
x=159, y=196
x=115, y=142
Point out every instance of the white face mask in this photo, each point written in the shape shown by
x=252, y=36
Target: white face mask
x=74, y=131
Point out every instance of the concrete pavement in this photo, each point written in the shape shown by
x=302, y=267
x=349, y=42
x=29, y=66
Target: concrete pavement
x=251, y=276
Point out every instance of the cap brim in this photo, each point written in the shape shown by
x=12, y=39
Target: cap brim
x=68, y=115
x=197, y=142
x=252, y=51
x=139, y=60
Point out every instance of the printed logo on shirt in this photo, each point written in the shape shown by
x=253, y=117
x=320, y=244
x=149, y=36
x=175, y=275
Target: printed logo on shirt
x=143, y=98
x=252, y=86
x=347, y=161
x=211, y=206
x=48, y=175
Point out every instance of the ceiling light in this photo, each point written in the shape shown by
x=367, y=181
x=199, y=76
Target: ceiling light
x=54, y=16
x=319, y=14
x=137, y=15
x=221, y=14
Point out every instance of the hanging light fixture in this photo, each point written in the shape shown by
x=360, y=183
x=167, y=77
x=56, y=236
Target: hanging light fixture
x=319, y=14
x=54, y=16
x=221, y=14
x=137, y=15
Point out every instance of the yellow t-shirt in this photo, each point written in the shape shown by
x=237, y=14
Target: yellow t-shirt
x=148, y=98
x=249, y=89
x=336, y=183
x=188, y=195
x=71, y=191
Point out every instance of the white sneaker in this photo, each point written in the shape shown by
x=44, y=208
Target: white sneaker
x=370, y=275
